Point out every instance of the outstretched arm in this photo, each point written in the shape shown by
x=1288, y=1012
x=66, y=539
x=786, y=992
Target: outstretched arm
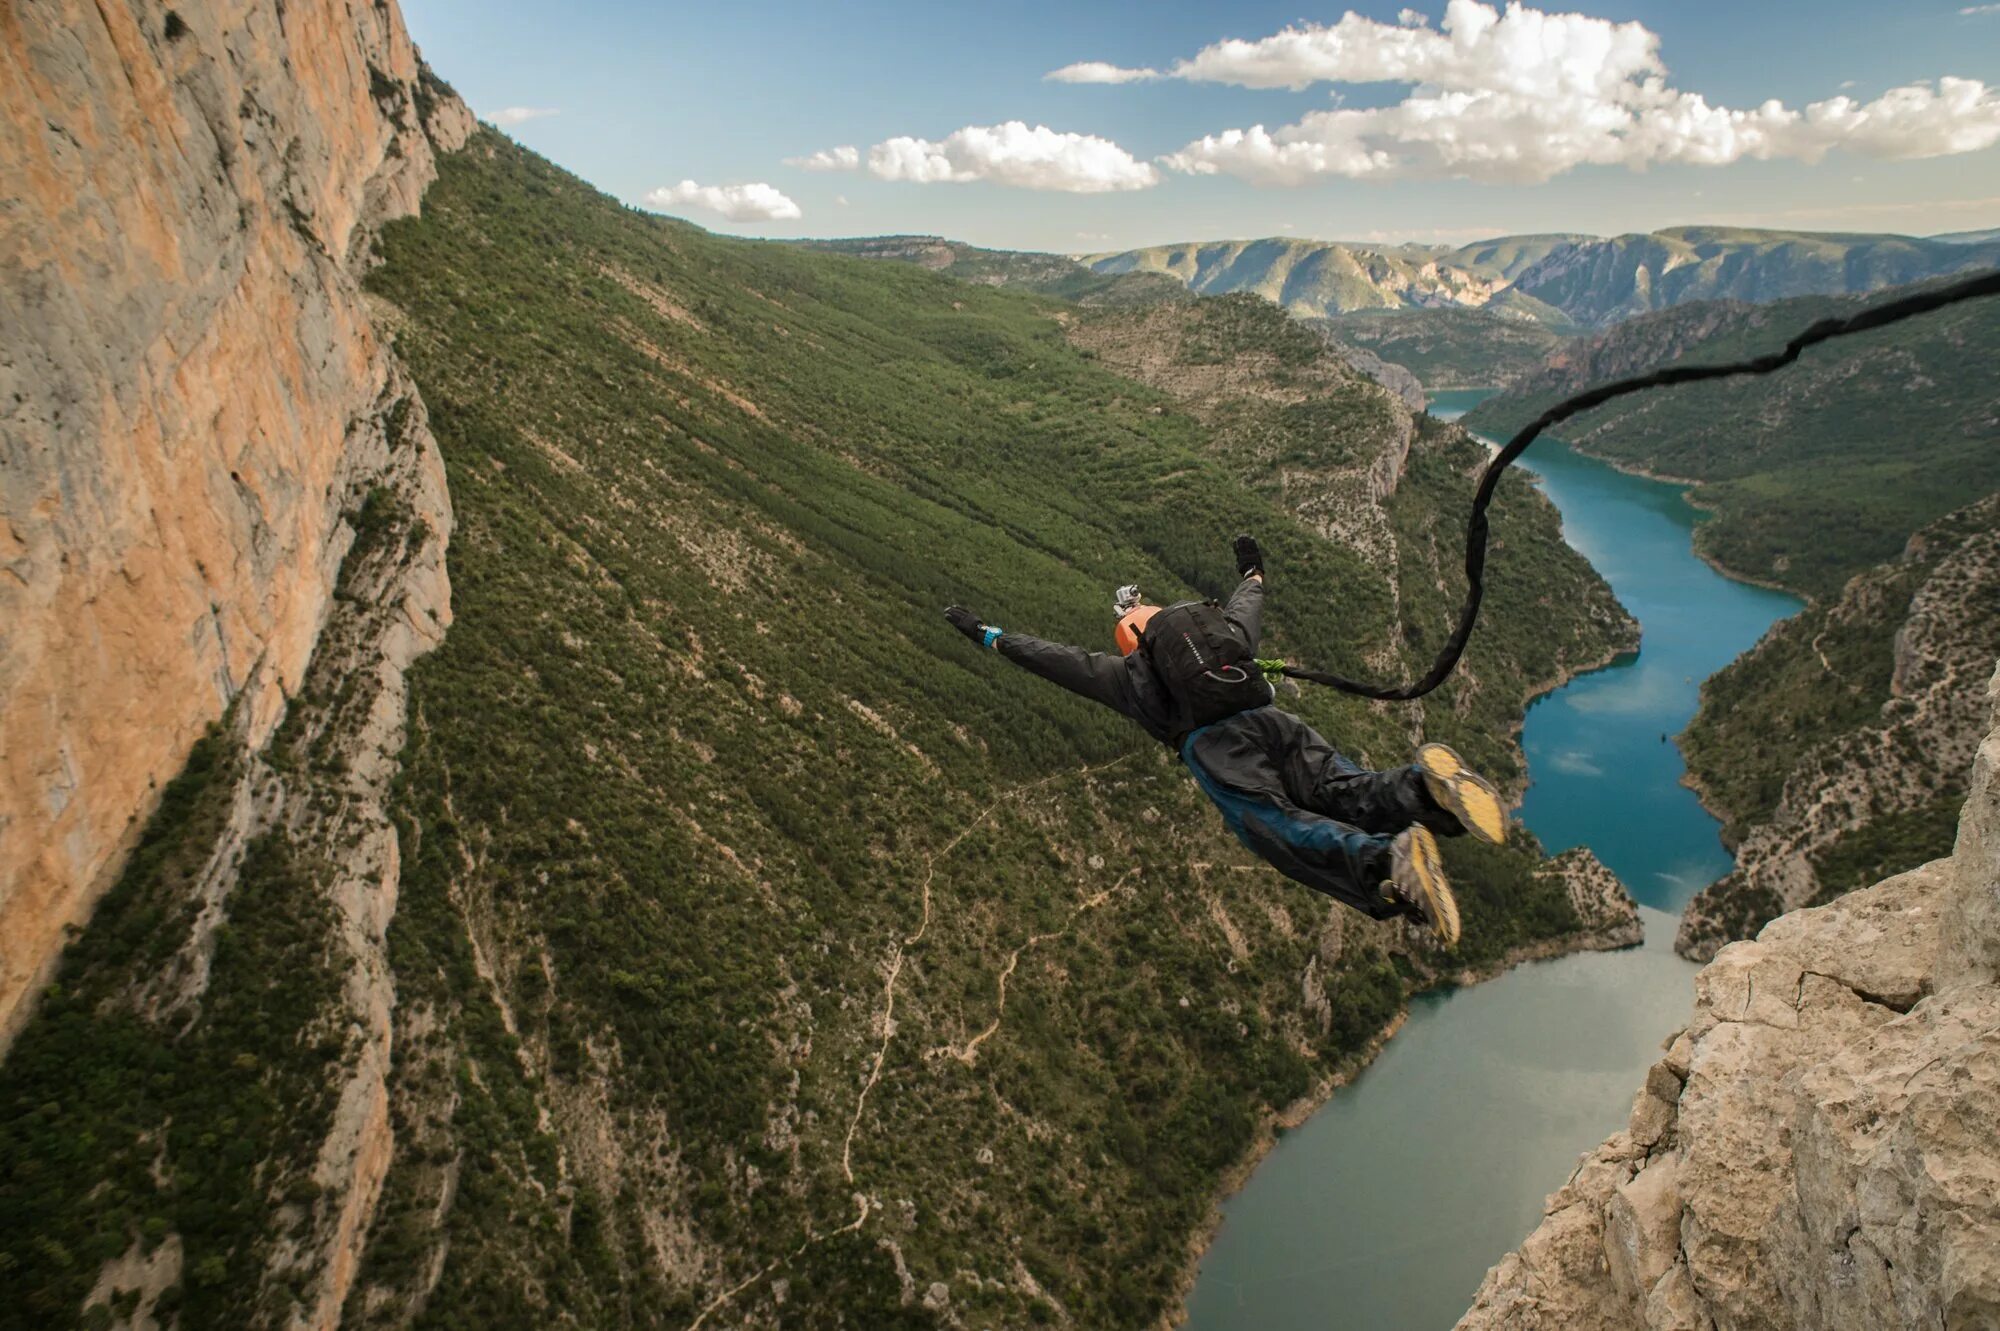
x=1246, y=604
x=1097, y=676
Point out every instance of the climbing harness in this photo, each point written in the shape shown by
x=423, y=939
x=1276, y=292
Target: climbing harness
x=1876, y=316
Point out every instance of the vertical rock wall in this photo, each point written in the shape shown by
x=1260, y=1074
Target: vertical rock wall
x=1816, y=1148
x=190, y=394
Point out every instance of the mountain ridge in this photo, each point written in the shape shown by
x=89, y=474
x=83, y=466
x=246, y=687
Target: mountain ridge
x=1592, y=282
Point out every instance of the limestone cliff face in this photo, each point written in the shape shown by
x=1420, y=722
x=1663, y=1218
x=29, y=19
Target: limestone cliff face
x=191, y=395
x=1816, y=1148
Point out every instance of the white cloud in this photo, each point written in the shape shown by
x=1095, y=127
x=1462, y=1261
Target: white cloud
x=1013, y=154
x=1523, y=95
x=1476, y=48
x=1098, y=71
x=736, y=203
x=846, y=157
x=1972, y=10
x=509, y=116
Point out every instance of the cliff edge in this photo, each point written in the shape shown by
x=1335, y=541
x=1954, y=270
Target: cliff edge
x=193, y=404
x=1815, y=1149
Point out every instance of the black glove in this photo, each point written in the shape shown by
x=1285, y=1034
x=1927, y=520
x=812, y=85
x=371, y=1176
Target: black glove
x=965, y=622
x=1249, y=556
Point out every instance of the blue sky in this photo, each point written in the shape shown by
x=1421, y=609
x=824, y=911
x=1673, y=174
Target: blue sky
x=645, y=96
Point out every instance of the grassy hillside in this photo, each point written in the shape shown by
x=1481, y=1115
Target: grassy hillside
x=765, y=955
x=1050, y=274
x=1815, y=473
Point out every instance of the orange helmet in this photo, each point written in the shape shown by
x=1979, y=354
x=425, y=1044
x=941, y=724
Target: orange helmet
x=1132, y=625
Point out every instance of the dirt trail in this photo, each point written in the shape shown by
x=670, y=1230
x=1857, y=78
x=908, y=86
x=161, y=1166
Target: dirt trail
x=722, y=1299
x=892, y=976
x=970, y=1050
x=923, y=926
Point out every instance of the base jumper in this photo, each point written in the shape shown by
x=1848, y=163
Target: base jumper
x=1187, y=674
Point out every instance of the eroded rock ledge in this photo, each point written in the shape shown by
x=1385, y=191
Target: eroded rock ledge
x=1816, y=1148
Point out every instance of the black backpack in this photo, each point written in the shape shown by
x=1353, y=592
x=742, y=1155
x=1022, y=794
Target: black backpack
x=1208, y=670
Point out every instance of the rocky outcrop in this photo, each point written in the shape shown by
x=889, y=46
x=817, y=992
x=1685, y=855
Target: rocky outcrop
x=193, y=404
x=1854, y=794
x=1391, y=376
x=393, y=606
x=1815, y=1149
x=1605, y=911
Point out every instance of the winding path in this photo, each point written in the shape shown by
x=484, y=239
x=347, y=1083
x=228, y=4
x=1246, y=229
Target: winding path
x=894, y=972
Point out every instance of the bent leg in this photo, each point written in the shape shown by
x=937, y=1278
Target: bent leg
x=1320, y=779
x=1383, y=803
x=1344, y=862
x=1340, y=860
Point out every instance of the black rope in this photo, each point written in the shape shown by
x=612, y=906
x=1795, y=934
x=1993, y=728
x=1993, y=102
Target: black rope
x=1875, y=316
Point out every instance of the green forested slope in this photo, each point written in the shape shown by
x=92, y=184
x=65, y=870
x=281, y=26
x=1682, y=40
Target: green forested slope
x=765, y=954
x=1024, y=270
x=1817, y=472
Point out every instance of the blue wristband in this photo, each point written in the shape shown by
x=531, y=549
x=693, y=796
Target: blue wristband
x=991, y=636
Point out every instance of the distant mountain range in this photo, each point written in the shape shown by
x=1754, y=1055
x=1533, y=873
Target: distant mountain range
x=1564, y=281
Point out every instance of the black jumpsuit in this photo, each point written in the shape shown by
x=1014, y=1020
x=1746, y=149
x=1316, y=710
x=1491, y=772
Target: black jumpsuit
x=1286, y=793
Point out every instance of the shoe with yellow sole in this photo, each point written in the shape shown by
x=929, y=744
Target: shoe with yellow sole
x=1466, y=795
x=1416, y=879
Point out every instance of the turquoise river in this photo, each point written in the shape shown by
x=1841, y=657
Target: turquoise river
x=1385, y=1209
